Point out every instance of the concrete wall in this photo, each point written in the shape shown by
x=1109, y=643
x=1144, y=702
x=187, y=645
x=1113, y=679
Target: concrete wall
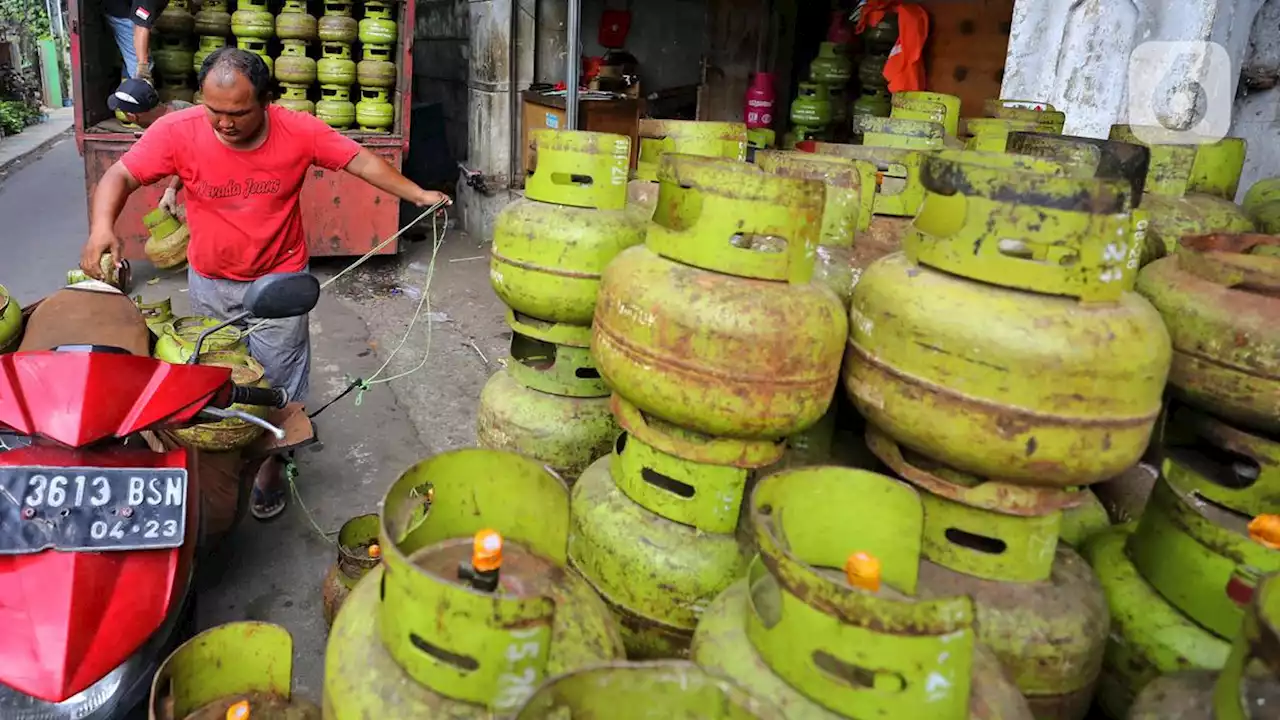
x=667, y=37
x=1257, y=112
x=1076, y=55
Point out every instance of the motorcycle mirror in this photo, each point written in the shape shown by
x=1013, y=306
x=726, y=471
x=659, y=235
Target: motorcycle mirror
x=282, y=295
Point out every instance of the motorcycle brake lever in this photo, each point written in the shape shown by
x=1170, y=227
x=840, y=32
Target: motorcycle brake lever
x=226, y=414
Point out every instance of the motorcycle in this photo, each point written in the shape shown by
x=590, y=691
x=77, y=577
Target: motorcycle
x=100, y=518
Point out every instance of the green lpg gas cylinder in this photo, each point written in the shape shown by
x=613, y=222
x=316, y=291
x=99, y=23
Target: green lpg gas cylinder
x=811, y=110
x=258, y=47
x=374, y=111
x=294, y=97
x=414, y=639
x=639, y=691
x=173, y=55
x=901, y=133
x=1049, y=256
x=1190, y=187
x=550, y=249
x=337, y=28
x=294, y=23
x=687, y=137
x=839, y=97
x=1198, y=554
x=335, y=66
x=177, y=340
x=849, y=190
x=653, y=526
x=377, y=31
x=871, y=74
x=1050, y=119
x=1149, y=637
x=1261, y=204
x=376, y=69
x=10, y=322
x=156, y=314
x=176, y=19
x=213, y=19
x=293, y=65
x=549, y=403
x=821, y=644
x=358, y=553
x=928, y=106
x=1248, y=688
x=252, y=20
x=874, y=102
x=245, y=665
x=832, y=66
x=1082, y=522
x=1222, y=465
x=378, y=9
x=1218, y=296
x=898, y=194
x=335, y=108
x=990, y=134
x=1039, y=606
x=880, y=38
x=714, y=325
x=208, y=43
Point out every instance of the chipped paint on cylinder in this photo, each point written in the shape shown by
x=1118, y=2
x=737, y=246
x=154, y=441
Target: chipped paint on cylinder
x=1217, y=295
x=992, y=134
x=553, y=358
x=1261, y=204
x=928, y=364
x=849, y=190
x=721, y=355
x=354, y=561
x=899, y=133
x=413, y=640
x=638, y=691
x=1039, y=606
x=1050, y=118
x=1083, y=521
x=929, y=106
x=1190, y=551
x=1189, y=189
x=686, y=137
x=1225, y=466
x=732, y=217
x=656, y=573
x=791, y=631
x=1149, y=637
x=566, y=433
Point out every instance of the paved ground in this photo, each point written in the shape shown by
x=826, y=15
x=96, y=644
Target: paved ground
x=18, y=147
x=273, y=572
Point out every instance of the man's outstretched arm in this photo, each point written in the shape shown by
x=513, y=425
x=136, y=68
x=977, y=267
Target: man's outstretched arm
x=379, y=173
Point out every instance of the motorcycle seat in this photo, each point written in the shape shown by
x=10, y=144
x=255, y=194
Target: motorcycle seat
x=71, y=317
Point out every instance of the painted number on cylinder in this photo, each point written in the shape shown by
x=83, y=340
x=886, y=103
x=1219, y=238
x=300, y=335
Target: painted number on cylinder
x=1115, y=256
x=523, y=669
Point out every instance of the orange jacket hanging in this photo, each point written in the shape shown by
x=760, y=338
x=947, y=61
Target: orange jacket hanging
x=905, y=67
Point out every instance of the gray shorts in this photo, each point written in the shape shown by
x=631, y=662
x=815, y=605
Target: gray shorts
x=282, y=346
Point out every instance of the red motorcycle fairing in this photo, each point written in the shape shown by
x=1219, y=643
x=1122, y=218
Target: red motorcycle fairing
x=79, y=398
x=69, y=618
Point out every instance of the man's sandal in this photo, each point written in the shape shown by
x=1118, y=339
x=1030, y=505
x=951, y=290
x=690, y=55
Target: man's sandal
x=267, y=506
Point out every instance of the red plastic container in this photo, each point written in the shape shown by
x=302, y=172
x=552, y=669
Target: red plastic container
x=760, y=100
x=839, y=31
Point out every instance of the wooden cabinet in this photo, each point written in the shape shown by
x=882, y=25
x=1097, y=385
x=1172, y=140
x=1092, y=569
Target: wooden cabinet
x=621, y=117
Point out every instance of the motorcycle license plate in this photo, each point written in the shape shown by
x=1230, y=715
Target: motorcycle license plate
x=91, y=509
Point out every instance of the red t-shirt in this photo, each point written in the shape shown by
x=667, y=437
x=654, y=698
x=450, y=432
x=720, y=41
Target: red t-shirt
x=242, y=205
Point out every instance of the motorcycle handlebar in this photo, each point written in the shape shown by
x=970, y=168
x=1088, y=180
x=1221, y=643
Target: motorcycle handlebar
x=269, y=397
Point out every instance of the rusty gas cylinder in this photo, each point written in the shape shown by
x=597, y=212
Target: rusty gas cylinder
x=796, y=620
x=232, y=671
x=1190, y=188
x=549, y=403
x=1247, y=687
x=653, y=526
x=358, y=553
x=437, y=631
x=1046, y=116
x=1001, y=296
x=686, y=137
x=1219, y=296
x=714, y=324
x=1038, y=605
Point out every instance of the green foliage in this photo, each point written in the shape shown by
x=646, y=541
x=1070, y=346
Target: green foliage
x=16, y=115
x=25, y=17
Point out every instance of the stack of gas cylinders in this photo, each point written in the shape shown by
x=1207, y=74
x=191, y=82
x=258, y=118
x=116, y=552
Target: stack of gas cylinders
x=212, y=26
x=254, y=26
x=376, y=71
x=549, y=250
x=336, y=70
x=173, y=52
x=293, y=68
x=1010, y=351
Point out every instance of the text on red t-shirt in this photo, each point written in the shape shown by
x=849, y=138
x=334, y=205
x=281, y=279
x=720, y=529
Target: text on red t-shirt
x=242, y=205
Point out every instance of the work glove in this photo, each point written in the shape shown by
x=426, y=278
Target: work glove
x=169, y=201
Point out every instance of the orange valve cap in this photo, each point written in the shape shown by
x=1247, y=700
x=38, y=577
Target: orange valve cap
x=375, y=551
x=1265, y=529
x=486, y=553
x=238, y=711
x=862, y=570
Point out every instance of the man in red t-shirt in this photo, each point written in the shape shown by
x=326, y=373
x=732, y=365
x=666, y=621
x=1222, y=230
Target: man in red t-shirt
x=242, y=162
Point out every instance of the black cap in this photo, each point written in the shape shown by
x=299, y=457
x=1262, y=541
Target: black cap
x=133, y=96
